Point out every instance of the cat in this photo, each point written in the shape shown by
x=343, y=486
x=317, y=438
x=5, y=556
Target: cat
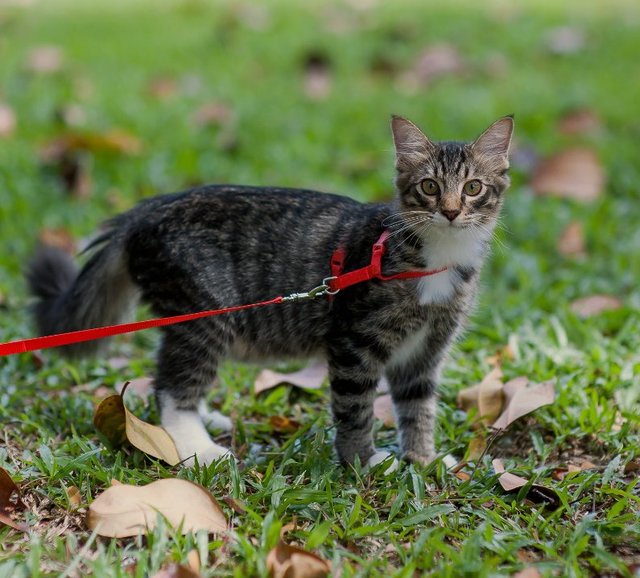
x=222, y=245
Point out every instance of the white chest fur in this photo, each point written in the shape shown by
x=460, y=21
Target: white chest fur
x=448, y=247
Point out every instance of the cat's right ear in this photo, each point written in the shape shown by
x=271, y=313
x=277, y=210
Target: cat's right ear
x=411, y=143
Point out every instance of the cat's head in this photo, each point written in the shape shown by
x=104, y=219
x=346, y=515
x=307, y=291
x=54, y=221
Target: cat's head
x=451, y=185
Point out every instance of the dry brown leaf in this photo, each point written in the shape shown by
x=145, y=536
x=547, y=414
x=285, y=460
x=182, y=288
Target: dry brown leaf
x=212, y=114
x=283, y=424
x=477, y=447
x=571, y=242
x=140, y=386
x=74, y=496
x=113, y=141
x=317, y=76
x=536, y=493
x=45, y=59
x=580, y=121
x=286, y=561
x=193, y=561
x=487, y=396
x=236, y=505
x=8, y=121
x=573, y=173
x=60, y=238
x=594, y=305
x=528, y=572
x=123, y=510
x=162, y=87
x=311, y=377
x=521, y=398
x=117, y=424
x=434, y=62
x=10, y=502
x=383, y=410
x=176, y=571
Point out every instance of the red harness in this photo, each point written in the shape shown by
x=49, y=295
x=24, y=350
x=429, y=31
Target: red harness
x=330, y=286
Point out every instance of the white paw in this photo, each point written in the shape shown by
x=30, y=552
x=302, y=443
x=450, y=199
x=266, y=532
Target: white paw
x=216, y=420
x=205, y=455
x=378, y=458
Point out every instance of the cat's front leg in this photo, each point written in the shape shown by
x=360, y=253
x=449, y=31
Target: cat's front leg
x=415, y=404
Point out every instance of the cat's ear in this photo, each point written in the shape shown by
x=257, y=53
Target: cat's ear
x=409, y=140
x=496, y=139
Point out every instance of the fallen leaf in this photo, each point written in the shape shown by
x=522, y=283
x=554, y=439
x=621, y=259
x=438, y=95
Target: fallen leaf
x=594, y=305
x=283, y=424
x=560, y=473
x=162, y=87
x=580, y=121
x=317, y=76
x=477, y=447
x=45, y=59
x=140, y=386
x=71, y=115
x=176, y=571
x=60, y=238
x=575, y=173
x=383, y=410
x=536, y=493
x=109, y=419
x=212, y=114
x=286, y=561
x=565, y=40
x=116, y=141
x=487, y=396
x=236, y=505
x=10, y=502
x=521, y=398
x=193, y=561
x=571, y=242
x=311, y=377
x=117, y=424
x=123, y=510
x=74, y=496
x=528, y=572
x=434, y=62
x=8, y=121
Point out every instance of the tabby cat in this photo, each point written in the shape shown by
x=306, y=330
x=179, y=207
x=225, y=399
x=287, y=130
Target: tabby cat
x=221, y=245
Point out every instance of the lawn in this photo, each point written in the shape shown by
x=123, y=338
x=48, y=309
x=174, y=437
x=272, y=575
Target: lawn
x=105, y=103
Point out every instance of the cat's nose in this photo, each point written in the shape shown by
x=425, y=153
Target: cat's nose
x=451, y=214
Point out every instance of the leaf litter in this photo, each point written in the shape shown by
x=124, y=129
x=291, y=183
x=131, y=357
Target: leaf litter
x=287, y=561
x=310, y=377
x=117, y=424
x=124, y=510
x=10, y=502
x=594, y=305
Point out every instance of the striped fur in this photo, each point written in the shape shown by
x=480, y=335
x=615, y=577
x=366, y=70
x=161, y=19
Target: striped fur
x=223, y=245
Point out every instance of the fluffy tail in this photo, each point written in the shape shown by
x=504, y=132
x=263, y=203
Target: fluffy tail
x=101, y=293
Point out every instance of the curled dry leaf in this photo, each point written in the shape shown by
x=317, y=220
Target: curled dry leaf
x=117, y=424
x=536, y=493
x=575, y=173
x=283, y=424
x=580, y=121
x=434, y=62
x=10, y=502
x=594, y=305
x=74, y=496
x=60, y=238
x=113, y=141
x=571, y=242
x=311, y=377
x=123, y=510
x=383, y=410
x=286, y=561
x=45, y=59
x=487, y=396
x=8, y=121
x=140, y=386
x=523, y=397
x=176, y=571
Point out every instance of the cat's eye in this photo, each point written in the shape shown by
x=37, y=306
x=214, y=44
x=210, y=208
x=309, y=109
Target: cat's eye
x=472, y=188
x=429, y=187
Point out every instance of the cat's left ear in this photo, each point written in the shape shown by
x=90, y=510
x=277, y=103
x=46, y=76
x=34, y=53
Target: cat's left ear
x=496, y=139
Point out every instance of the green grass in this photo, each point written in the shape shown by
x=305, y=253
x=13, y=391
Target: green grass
x=416, y=522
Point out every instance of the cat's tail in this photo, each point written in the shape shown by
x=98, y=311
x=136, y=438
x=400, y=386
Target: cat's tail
x=101, y=293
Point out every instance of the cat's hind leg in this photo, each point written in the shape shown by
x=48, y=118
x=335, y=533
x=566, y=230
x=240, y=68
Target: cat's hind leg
x=187, y=364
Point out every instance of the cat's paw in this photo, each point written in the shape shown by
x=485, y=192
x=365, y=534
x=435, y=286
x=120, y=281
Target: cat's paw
x=216, y=420
x=379, y=457
x=419, y=458
x=205, y=455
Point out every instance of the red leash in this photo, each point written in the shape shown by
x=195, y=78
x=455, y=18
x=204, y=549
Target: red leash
x=330, y=286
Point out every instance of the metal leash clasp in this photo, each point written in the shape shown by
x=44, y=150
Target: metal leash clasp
x=319, y=291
